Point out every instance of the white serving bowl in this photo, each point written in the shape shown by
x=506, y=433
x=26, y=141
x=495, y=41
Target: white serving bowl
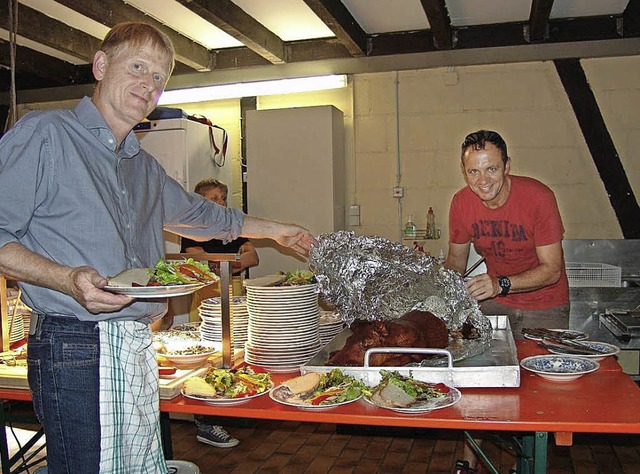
x=559, y=368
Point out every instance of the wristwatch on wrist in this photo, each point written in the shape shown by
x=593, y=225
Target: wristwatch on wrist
x=505, y=284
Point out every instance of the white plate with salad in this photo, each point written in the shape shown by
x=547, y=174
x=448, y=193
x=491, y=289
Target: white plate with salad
x=227, y=386
x=404, y=394
x=314, y=391
x=155, y=291
x=166, y=279
x=222, y=400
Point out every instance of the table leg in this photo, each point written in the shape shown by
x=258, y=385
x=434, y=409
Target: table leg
x=534, y=453
x=4, y=448
x=165, y=433
x=480, y=453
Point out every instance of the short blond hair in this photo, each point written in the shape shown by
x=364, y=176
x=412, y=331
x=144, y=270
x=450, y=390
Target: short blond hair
x=210, y=183
x=136, y=34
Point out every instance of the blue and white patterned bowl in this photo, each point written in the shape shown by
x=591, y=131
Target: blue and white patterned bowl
x=559, y=368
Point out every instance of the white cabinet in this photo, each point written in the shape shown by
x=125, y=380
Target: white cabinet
x=295, y=173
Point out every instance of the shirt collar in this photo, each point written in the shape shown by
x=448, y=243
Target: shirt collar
x=89, y=115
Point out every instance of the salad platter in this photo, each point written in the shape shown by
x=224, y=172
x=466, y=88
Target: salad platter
x=314, y=391
x=227, y=386
x=403, y=394
x=223, y=400
x=155, y=291
x=166, y=279
x=279, y=395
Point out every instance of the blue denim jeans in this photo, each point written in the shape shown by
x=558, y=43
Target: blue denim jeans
x=63, y=361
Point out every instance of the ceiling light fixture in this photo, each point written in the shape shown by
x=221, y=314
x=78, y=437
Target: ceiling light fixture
x=252, y=89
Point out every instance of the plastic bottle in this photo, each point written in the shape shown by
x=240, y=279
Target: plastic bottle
x=441, y=257
x=431, y=224
x=410, y=228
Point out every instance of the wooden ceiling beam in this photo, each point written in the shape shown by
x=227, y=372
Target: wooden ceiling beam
x=47, y=31
x=440, y=22
x=631, y=18
x=340, y=21
x=231, y=19
x=539, y=20
x=583, y=29
x=297, y=51
x=504, y=34
x=42, y=65
x=111, y=12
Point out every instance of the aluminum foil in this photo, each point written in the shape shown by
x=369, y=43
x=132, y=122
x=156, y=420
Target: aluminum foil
x=372, y=278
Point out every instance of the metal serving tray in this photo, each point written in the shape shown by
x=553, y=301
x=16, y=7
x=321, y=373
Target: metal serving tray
x=498, y=366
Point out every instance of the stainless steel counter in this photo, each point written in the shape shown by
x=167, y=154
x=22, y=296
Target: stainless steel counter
x=588, y=303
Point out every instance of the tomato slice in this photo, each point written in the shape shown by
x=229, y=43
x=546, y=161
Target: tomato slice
x=246, y=394
x=167, y=370
x=440, y=387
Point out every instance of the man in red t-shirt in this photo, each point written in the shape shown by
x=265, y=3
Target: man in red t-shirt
x=514, y=222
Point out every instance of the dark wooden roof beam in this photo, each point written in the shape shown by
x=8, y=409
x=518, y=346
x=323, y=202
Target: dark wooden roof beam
x=538, y=29
x=340, y=21
x=111, y=12
x=584, y=29
x=29, y=61
x=438, y=16
x=231, y=19
x=45, y=30
x=297, y=51
x=631, y=18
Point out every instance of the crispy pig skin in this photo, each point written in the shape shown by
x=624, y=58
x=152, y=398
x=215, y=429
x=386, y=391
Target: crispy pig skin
x=414, y=329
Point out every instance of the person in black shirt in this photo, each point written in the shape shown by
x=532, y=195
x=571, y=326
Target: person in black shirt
x=216, y=191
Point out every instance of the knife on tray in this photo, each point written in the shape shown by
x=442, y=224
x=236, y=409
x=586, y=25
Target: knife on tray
x=569, y=346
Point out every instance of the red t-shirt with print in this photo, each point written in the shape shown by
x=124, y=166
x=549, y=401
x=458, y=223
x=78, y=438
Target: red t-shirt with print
x=508, y=236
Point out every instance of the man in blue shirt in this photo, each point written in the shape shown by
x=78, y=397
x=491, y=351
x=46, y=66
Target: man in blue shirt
x=79, y=201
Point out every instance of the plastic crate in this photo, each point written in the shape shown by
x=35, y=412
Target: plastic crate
x=593, y=275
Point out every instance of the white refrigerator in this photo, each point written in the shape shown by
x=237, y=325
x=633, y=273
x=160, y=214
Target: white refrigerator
x=295, y=163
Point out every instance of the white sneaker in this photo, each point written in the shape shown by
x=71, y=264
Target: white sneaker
x=182, y=467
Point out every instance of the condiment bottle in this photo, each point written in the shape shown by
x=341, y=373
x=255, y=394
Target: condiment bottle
x=431, y=224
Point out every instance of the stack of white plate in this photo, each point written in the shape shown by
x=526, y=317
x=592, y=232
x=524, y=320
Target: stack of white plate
x=283, y=326
x=210, y=311
x=16, y=325
x=22, y=313
x=331, y=324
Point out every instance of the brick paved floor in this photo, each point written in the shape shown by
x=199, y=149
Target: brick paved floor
x=310, y=448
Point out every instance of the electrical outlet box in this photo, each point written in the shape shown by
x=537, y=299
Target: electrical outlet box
x=398, y=192
x=354, y=215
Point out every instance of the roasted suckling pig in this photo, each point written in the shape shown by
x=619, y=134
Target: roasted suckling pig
x=415, y=329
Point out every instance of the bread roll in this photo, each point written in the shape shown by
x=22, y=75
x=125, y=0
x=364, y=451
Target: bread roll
x=198, y=387
x=303, y=384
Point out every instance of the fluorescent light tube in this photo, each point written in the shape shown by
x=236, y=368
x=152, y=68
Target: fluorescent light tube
x=252, y=89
